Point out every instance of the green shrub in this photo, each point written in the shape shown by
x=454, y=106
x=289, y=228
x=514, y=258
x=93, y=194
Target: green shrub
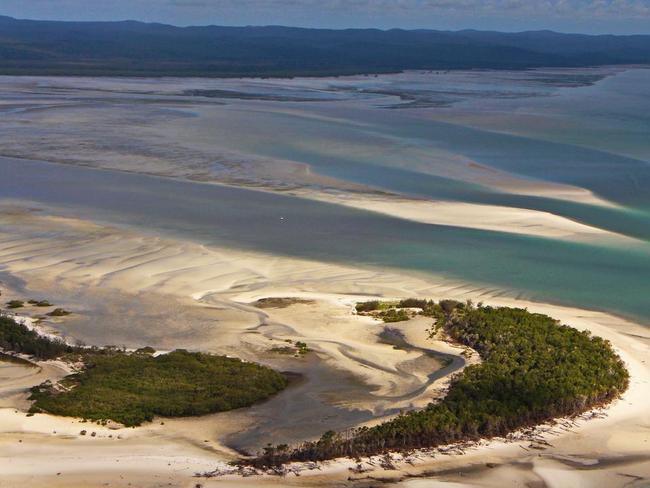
x=133, y=388
x=368, y=306
x=393, y=315
x=18, y=338
x=298, y=348
x=414, y=303
x=58, y=312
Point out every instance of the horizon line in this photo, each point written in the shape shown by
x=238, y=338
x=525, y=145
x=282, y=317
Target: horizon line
x=380, y=29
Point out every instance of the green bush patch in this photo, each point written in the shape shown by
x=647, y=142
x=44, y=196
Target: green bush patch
x=394, y=315
x=133, y=388
x=390, y=312
x=297, y=349
x=18, y=338
x=58, y=312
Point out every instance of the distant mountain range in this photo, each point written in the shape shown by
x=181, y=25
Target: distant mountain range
x=136, y=48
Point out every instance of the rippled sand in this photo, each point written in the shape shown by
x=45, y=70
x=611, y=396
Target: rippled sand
x=197, y=297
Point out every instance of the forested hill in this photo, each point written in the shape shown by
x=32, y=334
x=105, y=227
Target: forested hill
x=136, y=48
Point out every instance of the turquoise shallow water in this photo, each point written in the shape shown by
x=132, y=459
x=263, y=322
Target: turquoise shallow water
x=615, y=177
x=596, y=276
x=593, y=137
x=545, y=126
x=632, y=221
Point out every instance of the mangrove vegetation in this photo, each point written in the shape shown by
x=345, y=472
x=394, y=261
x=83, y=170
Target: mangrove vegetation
x=533, y=369
x=133, y=387
x=18, y=338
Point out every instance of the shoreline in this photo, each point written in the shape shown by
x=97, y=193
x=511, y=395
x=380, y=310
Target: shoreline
x=420, y=459
x=420, y=463
x=315, y=75
x=311, y=75
x=222, y=284
x=538, y=436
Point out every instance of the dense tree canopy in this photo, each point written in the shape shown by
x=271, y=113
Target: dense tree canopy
x=15, y=337
x=131, y=388
x=139, y=49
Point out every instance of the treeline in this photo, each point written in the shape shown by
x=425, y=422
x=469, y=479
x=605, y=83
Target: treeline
x=16, y=337
x=533, y=370
x=390, y=311
x=139, y=49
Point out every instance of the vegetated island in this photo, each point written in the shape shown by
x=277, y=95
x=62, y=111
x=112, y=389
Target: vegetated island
x=533, y=369
x=133, y=387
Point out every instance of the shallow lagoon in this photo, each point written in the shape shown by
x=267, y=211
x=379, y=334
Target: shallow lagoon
x=411, y=134
x=613, y=278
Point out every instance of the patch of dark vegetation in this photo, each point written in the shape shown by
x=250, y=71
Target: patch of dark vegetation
x=30, y=47
x=297, y=348
x=132, y=388
x=393, y=311
x=369, y=306
x=18, y=338
x=534, y=369
x=288, y=350
x=395, y=315
x=280, y=302
x=58, y=312
x=15, y=304
x=40, y=303
x=302, y=347
x=415, y=303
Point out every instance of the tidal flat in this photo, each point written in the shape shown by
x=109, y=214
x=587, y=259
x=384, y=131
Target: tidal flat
x=162, y=211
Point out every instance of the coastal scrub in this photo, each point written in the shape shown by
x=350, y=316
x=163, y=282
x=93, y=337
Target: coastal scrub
x=534, y=369
x=132, y=388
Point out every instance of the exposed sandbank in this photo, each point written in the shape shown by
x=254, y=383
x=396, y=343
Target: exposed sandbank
x=470, y=215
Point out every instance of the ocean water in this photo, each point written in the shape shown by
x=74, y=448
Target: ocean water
x=595, y=137
x=410, y=134
x=606, y=277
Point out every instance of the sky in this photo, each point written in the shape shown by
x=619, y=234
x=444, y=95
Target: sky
x=588, y=16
